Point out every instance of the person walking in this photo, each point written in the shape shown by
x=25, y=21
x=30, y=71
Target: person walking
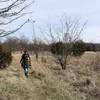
x=26, y=62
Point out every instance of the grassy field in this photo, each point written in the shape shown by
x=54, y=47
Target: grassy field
x=80, y=80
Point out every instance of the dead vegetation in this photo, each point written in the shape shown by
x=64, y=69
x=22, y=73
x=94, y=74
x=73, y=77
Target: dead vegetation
x=47, y=81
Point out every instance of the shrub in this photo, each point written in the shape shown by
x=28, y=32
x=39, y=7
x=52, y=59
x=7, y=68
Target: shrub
x=79, y=47
x=91, y=47
x=5, y=57
x=57, y=48
x=63, y=50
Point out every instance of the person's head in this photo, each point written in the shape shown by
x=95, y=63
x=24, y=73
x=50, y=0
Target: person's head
x=25, y=52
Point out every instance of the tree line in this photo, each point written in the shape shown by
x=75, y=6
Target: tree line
x=58, y=49
x=21, y=43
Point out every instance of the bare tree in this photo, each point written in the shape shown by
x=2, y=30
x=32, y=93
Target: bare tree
x=24, y=43
x=12, y=43
x=10, y=11
x=70, y=32
x=36, y=45
x=17, y=43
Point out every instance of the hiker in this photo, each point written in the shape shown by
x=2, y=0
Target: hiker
x=26, y=62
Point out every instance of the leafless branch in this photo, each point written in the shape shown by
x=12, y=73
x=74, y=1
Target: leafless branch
x=5, y=23
x=5, y=13
x=4, y=33
x=12, y=12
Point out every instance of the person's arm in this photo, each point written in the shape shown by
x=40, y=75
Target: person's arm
x=21, y=59
x=30, y=60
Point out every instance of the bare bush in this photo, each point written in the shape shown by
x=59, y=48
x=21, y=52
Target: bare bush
x=64, y=40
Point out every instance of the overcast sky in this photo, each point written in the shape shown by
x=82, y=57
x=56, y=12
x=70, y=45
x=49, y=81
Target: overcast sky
x=48, y=11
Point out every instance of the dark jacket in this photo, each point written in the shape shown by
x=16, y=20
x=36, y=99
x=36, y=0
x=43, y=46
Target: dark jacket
x=25, y=60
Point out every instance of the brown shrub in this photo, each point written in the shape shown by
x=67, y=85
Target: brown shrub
x=5, y=57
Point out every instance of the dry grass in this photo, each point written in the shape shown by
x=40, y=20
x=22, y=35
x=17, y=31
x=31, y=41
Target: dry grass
x=48, y=82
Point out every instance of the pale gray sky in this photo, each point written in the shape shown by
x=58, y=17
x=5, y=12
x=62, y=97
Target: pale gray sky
x=48, y=11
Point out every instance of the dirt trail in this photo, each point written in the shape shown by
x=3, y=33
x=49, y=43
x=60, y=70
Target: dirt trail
x=15, y=81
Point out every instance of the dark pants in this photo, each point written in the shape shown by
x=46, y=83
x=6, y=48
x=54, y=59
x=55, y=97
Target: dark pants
x=26, y=70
